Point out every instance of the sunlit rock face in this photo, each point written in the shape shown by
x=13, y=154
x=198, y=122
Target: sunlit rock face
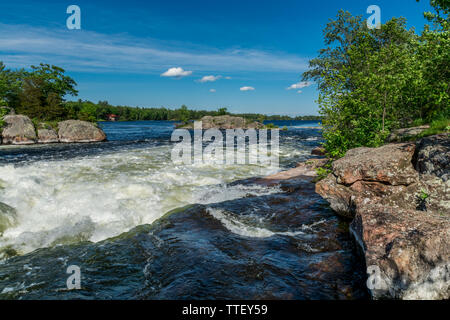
x=19, y=129
x=79, y=131
x=401, y=216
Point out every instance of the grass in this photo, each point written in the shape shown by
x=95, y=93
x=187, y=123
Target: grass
x=439, y=125
x=436, y=126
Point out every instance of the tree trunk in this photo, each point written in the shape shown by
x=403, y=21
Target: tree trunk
x=384, y=110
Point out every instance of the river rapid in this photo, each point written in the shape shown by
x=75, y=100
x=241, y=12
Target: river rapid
x=141, y=227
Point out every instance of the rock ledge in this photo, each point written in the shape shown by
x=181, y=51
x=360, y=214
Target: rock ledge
x=401, y=216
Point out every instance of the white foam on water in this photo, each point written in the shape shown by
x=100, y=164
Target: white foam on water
x=243, y=229
x=97, y=197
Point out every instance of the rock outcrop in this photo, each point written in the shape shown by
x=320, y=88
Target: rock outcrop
x=79, y=131
x=433, y=156
x=319, y=151
x=8, y=217
x=46, y=134
x=18, y=129
x=403, y=134
x=401, y=216
x=226, y=122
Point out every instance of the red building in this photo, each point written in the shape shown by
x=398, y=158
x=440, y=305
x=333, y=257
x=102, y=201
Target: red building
x=112, y=117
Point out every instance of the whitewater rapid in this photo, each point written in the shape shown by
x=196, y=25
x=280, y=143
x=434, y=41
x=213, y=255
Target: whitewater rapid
x=95, y=197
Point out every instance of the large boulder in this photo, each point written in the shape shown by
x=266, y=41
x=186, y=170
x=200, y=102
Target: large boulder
x=47, y=136
x=223, y=122
x=408, y=251
x=401, y=217
x=79, y=131
x=226, y=122
x=370, y=175
x=389, y=164
x=8, y=217
x=18, y=129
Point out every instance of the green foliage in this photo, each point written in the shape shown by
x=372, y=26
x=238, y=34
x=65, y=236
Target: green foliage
x=3, y=112
x=374, y=80
x=322, y=173
x=38, y=93
x=222, y=111
x=423, y=195
x=421, y=200
x=438, y=125
x=270, y=126
x=74, y=109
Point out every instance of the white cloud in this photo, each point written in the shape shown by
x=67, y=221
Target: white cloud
x=228, y=78
x=87, y=51
x=177, y=72
x=212, y=90
x=299, y=91
x=209, y=79
x=300, y=85
x=247, y=89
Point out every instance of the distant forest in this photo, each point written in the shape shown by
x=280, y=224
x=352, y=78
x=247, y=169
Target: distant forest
x=90, y=111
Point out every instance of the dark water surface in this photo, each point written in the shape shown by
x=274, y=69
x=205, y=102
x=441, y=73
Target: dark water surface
x=140, y=227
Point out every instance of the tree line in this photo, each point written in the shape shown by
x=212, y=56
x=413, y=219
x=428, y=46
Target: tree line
x=372, y=81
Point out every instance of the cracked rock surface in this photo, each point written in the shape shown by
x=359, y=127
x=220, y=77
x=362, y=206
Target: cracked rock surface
x=398, y=197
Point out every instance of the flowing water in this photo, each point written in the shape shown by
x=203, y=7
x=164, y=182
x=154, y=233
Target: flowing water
x=141, y=227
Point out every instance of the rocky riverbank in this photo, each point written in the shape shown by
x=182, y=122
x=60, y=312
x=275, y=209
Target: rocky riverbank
x=20, y=130
x=398, y=199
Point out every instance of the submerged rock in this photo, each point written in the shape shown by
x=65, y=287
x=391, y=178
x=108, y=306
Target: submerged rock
x=8, y=217
x=401, y=217
x=18, y=130
x=79, y=131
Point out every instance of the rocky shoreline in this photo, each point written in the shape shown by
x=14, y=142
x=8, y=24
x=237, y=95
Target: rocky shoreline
x=397, y=198
x=20, y=130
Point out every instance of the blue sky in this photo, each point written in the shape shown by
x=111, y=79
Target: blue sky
x=250, y=52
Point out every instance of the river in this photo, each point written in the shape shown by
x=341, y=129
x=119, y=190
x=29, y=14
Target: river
x=141, y=227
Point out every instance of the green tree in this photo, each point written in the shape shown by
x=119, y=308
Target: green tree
x=370, y=81
x=54, y=80
x=10, y=85
x=435, y=54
